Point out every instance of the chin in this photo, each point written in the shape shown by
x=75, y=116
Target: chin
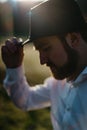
x=58, y=76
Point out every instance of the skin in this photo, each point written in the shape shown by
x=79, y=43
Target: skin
x=12, y=53
x=63, y=57
x=57, y=55
x=66, y=58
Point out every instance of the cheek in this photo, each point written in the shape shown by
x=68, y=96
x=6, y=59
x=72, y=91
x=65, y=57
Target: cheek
x=59, y=57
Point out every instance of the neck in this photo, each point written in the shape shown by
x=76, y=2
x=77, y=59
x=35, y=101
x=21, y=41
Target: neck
x=74, y=76
x=80, y=67
x=82, y=61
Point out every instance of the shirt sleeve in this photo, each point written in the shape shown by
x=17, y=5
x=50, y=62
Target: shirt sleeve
x=22, y=94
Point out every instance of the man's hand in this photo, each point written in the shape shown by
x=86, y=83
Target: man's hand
x=12, y=53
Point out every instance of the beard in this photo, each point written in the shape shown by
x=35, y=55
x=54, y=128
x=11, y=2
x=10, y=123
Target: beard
x=69, y=68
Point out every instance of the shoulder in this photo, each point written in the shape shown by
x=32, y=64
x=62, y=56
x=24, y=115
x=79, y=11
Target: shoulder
x=51, y=81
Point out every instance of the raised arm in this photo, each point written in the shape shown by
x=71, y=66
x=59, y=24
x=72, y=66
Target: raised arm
x=23, y=95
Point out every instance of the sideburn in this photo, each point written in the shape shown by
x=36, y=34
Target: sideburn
x=73, y=57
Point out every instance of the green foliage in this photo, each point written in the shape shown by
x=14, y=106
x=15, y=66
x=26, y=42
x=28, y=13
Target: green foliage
x=11, y=118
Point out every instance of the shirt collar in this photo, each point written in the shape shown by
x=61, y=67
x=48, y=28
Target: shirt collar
x=81, y=77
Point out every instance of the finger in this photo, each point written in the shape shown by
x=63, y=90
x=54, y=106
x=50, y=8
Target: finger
x=20, y=40
x=5, y=54
x=8, y=41
x=11, y=47
x=14, y=40
x=5, y=51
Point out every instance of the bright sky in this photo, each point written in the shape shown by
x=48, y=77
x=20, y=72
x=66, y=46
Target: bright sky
x=29, y=0
x=21, y=0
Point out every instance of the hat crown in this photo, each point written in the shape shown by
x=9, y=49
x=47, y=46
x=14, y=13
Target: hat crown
x=55, y=17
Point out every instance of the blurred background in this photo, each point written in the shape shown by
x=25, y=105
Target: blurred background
x=14, y=21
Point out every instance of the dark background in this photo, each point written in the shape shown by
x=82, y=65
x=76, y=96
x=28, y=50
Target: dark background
x=14, y=16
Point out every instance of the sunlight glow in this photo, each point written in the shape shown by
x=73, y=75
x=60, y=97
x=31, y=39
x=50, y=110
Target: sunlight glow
x=28, y=0
x=2, y=1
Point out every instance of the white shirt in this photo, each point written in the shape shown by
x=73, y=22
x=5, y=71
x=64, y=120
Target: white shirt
x=67, y=100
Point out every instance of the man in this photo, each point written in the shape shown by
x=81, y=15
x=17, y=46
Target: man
x=59, y=33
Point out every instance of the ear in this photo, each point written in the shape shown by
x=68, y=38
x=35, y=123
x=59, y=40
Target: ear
x=73, y=39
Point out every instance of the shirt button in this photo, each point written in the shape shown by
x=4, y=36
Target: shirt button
x=68, y=108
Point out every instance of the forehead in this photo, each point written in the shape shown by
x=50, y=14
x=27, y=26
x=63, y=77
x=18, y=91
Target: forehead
x=39, y=43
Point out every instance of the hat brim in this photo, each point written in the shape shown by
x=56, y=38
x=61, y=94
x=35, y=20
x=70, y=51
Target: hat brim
x=26, y=42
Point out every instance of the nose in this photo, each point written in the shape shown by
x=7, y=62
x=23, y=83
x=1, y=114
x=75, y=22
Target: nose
x=43, y=58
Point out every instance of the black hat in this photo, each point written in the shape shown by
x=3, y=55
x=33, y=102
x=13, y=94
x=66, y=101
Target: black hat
x=55, y=17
